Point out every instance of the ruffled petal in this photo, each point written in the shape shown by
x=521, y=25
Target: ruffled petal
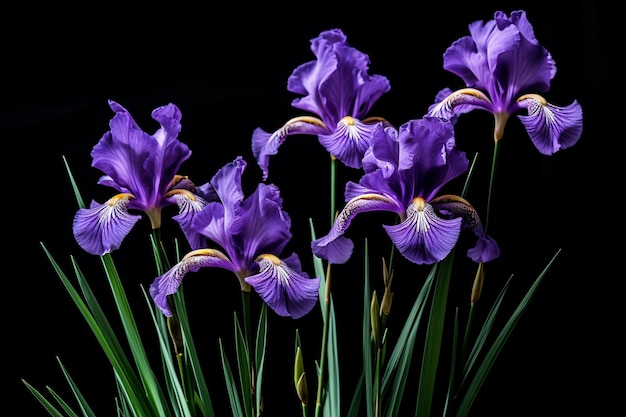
x=336, y=250
x=261, y=225
x=189, y=205
x=169, y=282
x=265, y=144
x=551, y=128
x=424, y=237
x=284, y=287
x=101, y=228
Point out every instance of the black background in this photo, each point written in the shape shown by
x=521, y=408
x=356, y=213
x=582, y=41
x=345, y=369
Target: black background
x=226, y=68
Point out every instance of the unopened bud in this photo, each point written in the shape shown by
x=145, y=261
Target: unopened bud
x=477, y=288
x=299, y=377
x=375, y=320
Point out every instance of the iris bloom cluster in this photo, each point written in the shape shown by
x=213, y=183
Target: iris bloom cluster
x=406, y=171
x=252, y=233
x=338, y=89
x=505, y=69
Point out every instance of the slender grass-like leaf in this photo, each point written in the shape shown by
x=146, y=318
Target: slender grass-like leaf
x=485, y=330
x=231, y=386
x=261, y=341
x=367, y=339
x=399, y=364
x=434, y=332
x=244, y=366
x=135, y=342
x=177, y=394
x=44, y=401
x=204, y=398
x=111, y=348
x=477, y=381
x=453, y=362
x=79, y=198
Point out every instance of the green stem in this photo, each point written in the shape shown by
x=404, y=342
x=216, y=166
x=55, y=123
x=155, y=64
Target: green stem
x=323, y=353
x=492, y=180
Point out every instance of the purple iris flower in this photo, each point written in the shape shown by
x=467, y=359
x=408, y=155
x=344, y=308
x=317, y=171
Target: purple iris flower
x=504, y=67
x=404, y=171
x=251, y=232
x=143, y=168
x=339, y=91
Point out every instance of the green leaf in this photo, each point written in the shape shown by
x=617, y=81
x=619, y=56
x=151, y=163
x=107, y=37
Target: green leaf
x=231, y=386
x=477, y=381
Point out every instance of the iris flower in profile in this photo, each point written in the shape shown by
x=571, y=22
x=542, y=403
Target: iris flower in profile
x=337, y=88
x=143, y=169
x=505, y=69
x=404, y=172
x=251, y=234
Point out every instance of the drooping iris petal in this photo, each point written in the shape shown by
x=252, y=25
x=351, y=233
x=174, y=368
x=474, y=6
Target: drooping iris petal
x=284, y=287
x=101, y=228
x=337, y=249
x=552, y=128
x=265, y=144
x=486, y=248
x=168, y=283
x=423, y=237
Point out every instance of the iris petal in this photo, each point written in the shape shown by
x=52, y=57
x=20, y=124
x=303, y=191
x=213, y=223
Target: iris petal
x=333, y=247
x=265, y=144
x=188, y=206
x=425, y=238
x=552, y=128
x=101, y=228
x=168, y=283
x=284, y=287
x=349, y=141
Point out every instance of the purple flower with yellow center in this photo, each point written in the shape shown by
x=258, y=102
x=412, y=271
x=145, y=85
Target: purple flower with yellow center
x=143, y=169
x=404, y=172
x=505, y=69
x=251, y=234
x=338, y=89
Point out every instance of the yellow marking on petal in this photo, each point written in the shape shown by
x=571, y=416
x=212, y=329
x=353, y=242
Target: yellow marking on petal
x=214, y=253
x=177, y=178
x=122, y=197
x=348, y=121
x=376, y=119
x=187, y=193
x=268, y=256
x=419, y=202
x=535, y=97
x=470, y=92
x=307, y=119
x=448, y=198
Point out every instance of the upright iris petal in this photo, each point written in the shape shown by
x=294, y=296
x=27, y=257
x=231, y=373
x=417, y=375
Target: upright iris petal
x=251, y=233
x=336, y=88
x=404, y=171
x=142, y=168
x=505, y=69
